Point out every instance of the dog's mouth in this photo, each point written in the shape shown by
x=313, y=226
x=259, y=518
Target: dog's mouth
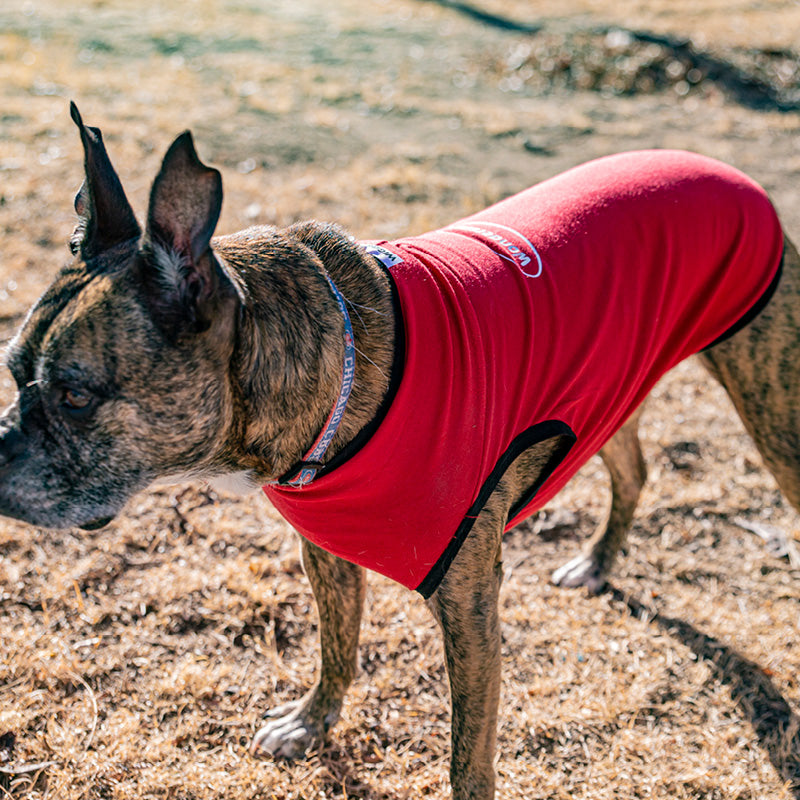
x=96, y=524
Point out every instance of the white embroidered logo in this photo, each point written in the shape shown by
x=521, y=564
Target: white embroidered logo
x=386, y=257
x=505, y=247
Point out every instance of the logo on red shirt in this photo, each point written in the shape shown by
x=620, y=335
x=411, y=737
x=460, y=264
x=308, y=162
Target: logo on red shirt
x=515, y=248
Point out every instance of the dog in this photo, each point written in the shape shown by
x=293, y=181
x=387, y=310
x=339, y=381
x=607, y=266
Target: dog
x=167, y=354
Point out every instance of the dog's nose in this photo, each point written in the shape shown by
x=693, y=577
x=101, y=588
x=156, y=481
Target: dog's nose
x=12, y=444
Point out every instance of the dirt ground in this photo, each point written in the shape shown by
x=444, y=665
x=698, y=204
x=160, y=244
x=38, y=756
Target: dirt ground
x=136, y=662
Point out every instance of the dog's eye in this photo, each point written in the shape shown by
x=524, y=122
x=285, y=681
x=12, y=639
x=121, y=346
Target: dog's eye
x=76, y=403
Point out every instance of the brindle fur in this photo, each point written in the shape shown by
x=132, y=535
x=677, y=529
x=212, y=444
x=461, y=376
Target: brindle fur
x=624, y=461
x=168, y=353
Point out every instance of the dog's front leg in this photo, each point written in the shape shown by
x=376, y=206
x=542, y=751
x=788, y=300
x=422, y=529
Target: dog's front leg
x=339, y=588
x=466, y=607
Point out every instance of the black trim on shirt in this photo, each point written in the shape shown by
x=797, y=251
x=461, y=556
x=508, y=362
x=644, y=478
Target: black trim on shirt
x=529, y=437
x=755, y=310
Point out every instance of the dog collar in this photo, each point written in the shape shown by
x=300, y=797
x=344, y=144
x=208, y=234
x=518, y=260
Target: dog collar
x=302, y=473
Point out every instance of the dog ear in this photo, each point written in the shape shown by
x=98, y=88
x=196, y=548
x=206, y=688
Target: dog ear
x=106, y=217
x=185, y=204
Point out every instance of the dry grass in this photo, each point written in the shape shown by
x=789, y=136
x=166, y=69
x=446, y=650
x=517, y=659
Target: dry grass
x=136, y=662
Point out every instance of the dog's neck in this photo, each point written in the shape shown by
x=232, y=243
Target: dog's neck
x=291, y=349
x=367, y=292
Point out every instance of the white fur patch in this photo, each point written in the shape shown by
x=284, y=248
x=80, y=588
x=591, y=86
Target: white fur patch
x=238, y=483
x=176, y=478
x=171, y=266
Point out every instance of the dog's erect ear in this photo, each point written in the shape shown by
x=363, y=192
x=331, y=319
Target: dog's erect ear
x=106, y=217
x=185, y=203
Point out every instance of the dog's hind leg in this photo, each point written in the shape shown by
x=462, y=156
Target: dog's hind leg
x=760, y=369
x=622, y=456
x=339, y=588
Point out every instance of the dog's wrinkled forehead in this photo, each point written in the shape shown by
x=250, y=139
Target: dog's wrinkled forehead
x=67, y=323
x=24, y=347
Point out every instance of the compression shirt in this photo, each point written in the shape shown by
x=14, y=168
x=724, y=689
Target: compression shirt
x=550, y=314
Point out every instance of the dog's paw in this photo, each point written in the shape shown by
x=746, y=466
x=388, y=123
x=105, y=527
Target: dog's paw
x=291, y=731
x=581, y=571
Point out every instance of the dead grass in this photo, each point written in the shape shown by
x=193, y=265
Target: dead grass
x=136, y=662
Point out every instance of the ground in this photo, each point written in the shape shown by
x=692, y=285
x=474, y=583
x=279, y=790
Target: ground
x=136, y=662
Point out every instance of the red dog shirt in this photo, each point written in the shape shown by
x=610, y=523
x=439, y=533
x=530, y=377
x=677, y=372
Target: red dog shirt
x=552, y=313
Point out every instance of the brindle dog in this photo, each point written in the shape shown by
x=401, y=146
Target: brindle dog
x=163, y=354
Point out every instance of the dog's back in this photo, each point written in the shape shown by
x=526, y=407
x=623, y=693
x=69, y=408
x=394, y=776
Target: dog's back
x=553, y=313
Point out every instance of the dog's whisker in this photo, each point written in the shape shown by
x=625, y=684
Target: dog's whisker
x=356, y=306
x=360, y=318
x=367, y=358
x=367, y=308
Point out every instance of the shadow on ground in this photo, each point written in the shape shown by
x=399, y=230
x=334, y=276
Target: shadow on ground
x=774, y=723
